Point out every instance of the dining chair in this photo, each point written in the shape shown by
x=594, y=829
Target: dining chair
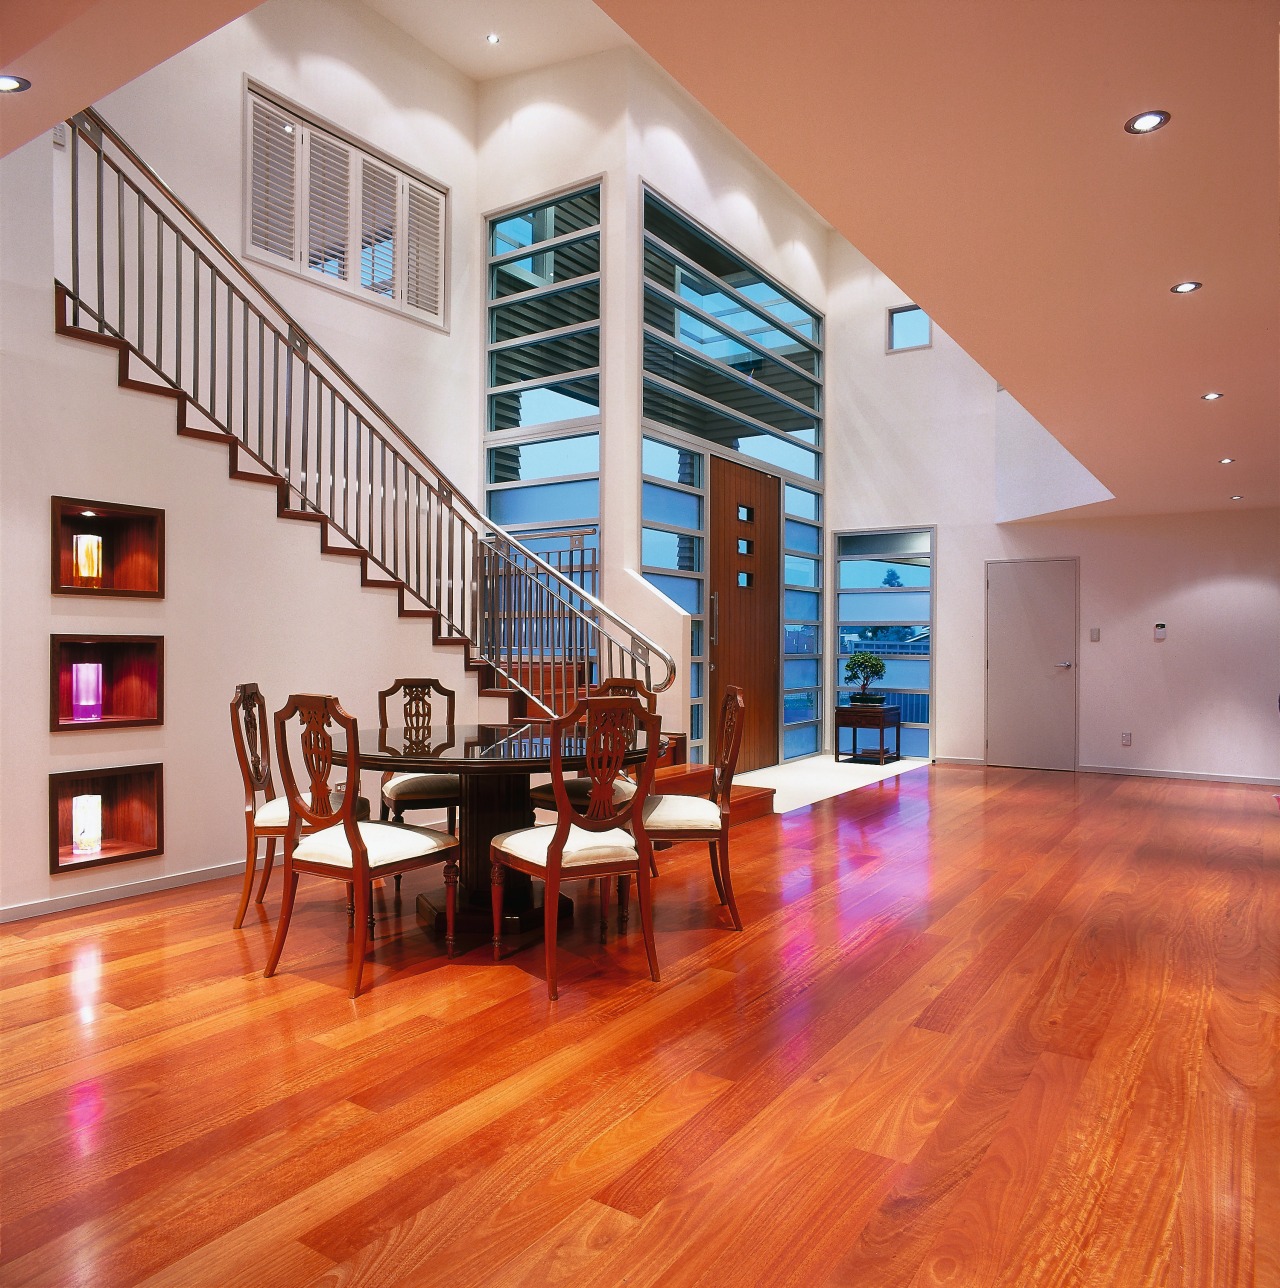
x=421, y=712
x=706, y=818
x=591, y=839
x=327, y=840
x=579, y=789
x=251, y=733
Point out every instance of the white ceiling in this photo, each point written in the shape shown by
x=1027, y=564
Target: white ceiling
x=532, y=33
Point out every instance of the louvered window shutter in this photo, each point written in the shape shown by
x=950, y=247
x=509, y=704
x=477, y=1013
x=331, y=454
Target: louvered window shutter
x=378, y=192
x=273, y=182
x=424, y=252
x=328, y=206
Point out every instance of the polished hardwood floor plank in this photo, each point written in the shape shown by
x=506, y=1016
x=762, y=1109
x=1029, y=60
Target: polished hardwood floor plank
x=983, y=1028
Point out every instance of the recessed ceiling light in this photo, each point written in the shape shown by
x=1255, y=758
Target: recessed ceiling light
x=89, y=514
x=493, y=38
x=1185, y=288
x=1227, y=460
x=1211, y=397
x=1146, y=122
x=288, y=127
x=13, y=84
x=1237, y=498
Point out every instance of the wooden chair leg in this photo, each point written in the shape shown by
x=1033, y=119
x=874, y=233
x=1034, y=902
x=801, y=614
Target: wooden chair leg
x=250, y=866
x=726, y=880
x=451, y=818
x=282, y=926
x=604, y=907
x=384, y=810
x=360, y=941
x=496, y=874
x=398, y=876
x=450, y=904
x=715, y=871
x=351, y=903
x=267, y=864
x=644, y=896
x=624, y=902
x=550, y=927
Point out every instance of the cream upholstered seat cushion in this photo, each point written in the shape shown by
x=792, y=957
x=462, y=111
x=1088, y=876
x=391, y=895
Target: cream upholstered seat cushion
x=423, y=787
x=385, y=842
x=532, y=843
x=681, y=814
x=578, y=791
x=275, y=812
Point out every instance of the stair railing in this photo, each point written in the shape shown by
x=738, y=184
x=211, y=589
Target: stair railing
x=146, y=270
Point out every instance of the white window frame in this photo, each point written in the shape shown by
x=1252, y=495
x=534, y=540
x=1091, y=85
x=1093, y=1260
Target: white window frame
x=889, y=346
x=408, y=187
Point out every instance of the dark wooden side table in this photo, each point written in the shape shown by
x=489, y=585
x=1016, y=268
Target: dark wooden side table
x=865, y=716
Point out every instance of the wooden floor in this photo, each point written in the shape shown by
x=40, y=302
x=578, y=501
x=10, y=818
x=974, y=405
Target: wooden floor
x=983, y=1027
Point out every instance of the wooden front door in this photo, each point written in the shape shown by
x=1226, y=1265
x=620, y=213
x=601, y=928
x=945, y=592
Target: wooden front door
x=744, y=619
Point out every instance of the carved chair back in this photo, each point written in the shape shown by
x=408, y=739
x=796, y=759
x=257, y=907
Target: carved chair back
x=617, y=686
x=317, y=715
x=427, y=704
x=728, y=741
x=605, y=729
x=251, y=734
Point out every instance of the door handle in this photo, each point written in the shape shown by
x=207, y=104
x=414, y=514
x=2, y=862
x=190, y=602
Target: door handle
x=1065, y=666
x=715, y=617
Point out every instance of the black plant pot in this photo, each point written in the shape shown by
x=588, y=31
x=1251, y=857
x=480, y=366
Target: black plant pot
x=867, y=699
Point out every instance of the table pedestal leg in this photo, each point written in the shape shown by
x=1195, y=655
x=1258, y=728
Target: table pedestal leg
x=491, y=803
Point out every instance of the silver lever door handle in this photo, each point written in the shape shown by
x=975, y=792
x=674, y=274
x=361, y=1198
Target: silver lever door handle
x=715, y=617
x=1065, y=666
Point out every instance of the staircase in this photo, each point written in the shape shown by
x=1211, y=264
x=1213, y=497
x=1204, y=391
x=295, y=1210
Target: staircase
x=188, y=321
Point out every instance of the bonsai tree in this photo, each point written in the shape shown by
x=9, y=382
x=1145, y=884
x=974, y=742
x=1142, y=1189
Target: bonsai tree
x=862, y=668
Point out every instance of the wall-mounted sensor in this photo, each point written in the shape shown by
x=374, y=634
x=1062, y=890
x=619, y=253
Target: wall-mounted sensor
x=1094, y=634
x=1159, y=630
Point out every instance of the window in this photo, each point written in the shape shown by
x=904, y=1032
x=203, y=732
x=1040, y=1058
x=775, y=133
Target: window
x=909, y=328
x=884, y=606
x=336, y=213
x=544, y=314
x=729, y=355
x=672, y=536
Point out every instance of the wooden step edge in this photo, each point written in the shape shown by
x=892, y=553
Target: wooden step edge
x=746, y=803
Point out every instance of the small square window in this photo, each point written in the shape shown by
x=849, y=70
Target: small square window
x=746, y=547
x=909, y=328
x=745, y=579
x=746, y=514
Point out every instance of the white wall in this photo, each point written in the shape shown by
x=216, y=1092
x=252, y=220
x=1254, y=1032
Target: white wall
x=249, y=596
x=923, y=438
x=357, y=71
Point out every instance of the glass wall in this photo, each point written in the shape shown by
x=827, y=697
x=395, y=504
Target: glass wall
x=543, y=379
x=733, y=361
x=885, y=606
x=672, y=540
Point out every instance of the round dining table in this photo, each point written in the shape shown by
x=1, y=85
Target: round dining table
x=494, y=763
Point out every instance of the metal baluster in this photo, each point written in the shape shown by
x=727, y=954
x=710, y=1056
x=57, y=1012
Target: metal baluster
x=120, y=250
x=101, y=267
x=160, y=292
x=346, y=466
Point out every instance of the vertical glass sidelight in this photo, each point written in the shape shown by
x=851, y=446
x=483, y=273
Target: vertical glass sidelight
x=884, y=585
x=673, y=517
x=802, y=700
x=542, y=372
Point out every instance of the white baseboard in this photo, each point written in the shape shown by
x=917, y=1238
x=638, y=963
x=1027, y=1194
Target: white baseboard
x=86, y=898
x=1127, y=771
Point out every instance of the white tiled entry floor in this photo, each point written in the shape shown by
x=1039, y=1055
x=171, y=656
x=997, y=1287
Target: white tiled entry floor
x=801, y=782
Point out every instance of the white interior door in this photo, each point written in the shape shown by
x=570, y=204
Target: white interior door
x=1032, y=616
